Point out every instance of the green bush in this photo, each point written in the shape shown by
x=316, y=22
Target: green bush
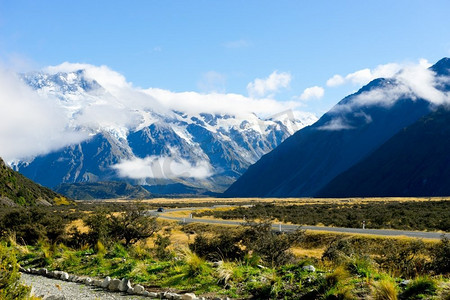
x=440, y=256
x=10, y=286
x=420, y=288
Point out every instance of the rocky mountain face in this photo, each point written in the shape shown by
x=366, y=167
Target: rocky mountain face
x=314, y=161
x=160, y=147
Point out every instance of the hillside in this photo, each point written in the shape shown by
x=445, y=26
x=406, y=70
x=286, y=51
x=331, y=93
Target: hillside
x=16, y=189
x=358, y=125
x=414, y=162
x=102, y=190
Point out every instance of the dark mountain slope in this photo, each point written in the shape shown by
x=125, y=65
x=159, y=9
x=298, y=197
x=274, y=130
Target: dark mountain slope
x=308, y=160
x=414, y=162
x=16, y=188
x=359, y=124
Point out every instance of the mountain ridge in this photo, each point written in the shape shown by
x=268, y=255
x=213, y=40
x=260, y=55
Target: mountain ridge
x=360, y=123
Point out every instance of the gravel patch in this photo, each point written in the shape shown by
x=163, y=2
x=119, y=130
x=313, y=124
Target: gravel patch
x=45, y=287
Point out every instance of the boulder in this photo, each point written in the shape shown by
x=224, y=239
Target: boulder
x=188, y=296
x=64, y=276
x=97, y=283
x=124, y=285
x=309, y=268
x=151, y=294
x=138, y=289
x=114, y=285
x=105, y=282
x=43, y=271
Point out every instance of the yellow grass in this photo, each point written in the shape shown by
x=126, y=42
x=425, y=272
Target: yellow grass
x=281, y=201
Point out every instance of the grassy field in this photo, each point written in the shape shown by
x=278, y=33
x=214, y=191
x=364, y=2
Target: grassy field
x=255, y=263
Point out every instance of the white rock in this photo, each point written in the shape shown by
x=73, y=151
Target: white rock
x=138, y=289
x=88, y=281
x=309, y=268
x=64, y=276
x=105, y=282
x=151, y=294
x=124, y=285
x=189, y=296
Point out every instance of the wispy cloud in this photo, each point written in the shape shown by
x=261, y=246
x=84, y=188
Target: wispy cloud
x=364, y=76
x=31, y=124
x=314, y=92
x=270, y=85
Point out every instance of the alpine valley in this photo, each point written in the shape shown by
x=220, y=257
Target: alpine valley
x=166, y=151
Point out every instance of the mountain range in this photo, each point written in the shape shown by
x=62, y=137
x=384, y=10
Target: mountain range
x=166, y=150
x=388, y=139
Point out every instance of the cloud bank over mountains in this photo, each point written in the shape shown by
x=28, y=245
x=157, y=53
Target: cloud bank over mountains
x=33, y=123
x=38, y=122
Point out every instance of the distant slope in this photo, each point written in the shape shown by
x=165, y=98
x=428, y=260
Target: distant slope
x=414, y=162
x=102, y=190
x=358, y=125
x=307, y=161
x=17, y=189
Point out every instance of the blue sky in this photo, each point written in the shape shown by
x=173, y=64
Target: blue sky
x=224, y=46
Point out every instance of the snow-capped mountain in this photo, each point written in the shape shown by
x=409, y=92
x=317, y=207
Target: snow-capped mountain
x=130, y=135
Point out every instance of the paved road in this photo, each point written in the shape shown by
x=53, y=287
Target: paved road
x=287, y=228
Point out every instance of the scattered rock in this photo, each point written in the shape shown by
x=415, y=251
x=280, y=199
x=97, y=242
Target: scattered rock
x=189, y=296
x=404, y=282
x=138, y=289
x=309, y=268
x=87, y=281
x=130, y=291
x=64, y=276
x=105, y=282
x=97, y=283
x=43, y=271
x=114, y=285
x=150, y=294
x=124, y=285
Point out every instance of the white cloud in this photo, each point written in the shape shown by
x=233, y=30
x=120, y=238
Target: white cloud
x=411, y=81
x=335, y=125
x=273, y=83
x=234, y=104
x=364, y=76
x=314, y=92
x=30, y=124
x=336, y=80
x=162, y=167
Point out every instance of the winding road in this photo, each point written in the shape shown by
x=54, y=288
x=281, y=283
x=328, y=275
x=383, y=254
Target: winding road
x=287, y=228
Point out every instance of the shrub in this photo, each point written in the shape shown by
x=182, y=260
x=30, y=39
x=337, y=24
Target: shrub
x=385, y=289
x=272, y=247
x=440, y=256
x=219, y=247
x=10, y=285
x=419, y=288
